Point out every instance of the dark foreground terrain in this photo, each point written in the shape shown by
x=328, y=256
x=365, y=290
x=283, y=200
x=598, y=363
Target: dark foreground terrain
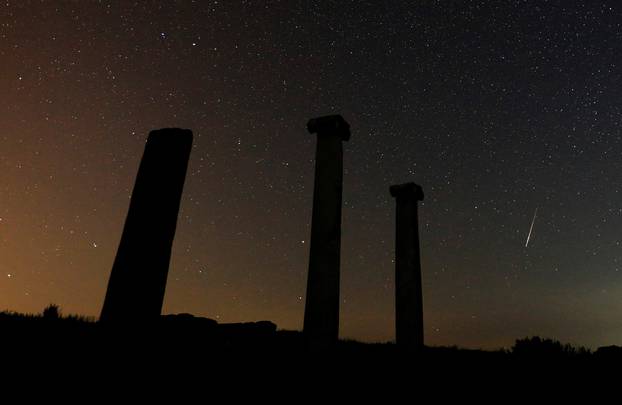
x=183, y=346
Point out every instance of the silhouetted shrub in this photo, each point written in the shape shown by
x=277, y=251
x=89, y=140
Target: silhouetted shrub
x=538, y=347
x=52, y=311
x=609, y=352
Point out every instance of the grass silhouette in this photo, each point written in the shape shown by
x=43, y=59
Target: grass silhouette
x=185, y=333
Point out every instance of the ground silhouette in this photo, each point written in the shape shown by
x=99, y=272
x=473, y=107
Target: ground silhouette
x=185, y=334
x=188, y=354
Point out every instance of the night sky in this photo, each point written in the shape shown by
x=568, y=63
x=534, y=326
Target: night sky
x=495, y=108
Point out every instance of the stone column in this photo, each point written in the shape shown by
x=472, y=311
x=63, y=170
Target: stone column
x=408, y=294
x=321, y=322
x=138, y=278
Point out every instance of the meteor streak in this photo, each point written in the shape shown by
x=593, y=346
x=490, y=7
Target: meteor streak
x=531, y=227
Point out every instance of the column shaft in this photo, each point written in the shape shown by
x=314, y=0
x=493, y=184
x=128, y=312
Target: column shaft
x=321, y=321
x=138, y=278
x=408, y=289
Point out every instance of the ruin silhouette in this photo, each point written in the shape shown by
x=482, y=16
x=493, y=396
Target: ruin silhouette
x=321, y=318
x=138, y=278
x=408, y=291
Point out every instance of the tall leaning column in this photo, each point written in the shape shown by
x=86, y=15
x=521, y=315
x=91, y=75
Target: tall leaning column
x=321, y=321
x=408, y=294
x=138, y=278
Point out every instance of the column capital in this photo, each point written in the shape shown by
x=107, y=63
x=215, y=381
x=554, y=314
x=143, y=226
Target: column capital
x=407, y=190
x=330, y=125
